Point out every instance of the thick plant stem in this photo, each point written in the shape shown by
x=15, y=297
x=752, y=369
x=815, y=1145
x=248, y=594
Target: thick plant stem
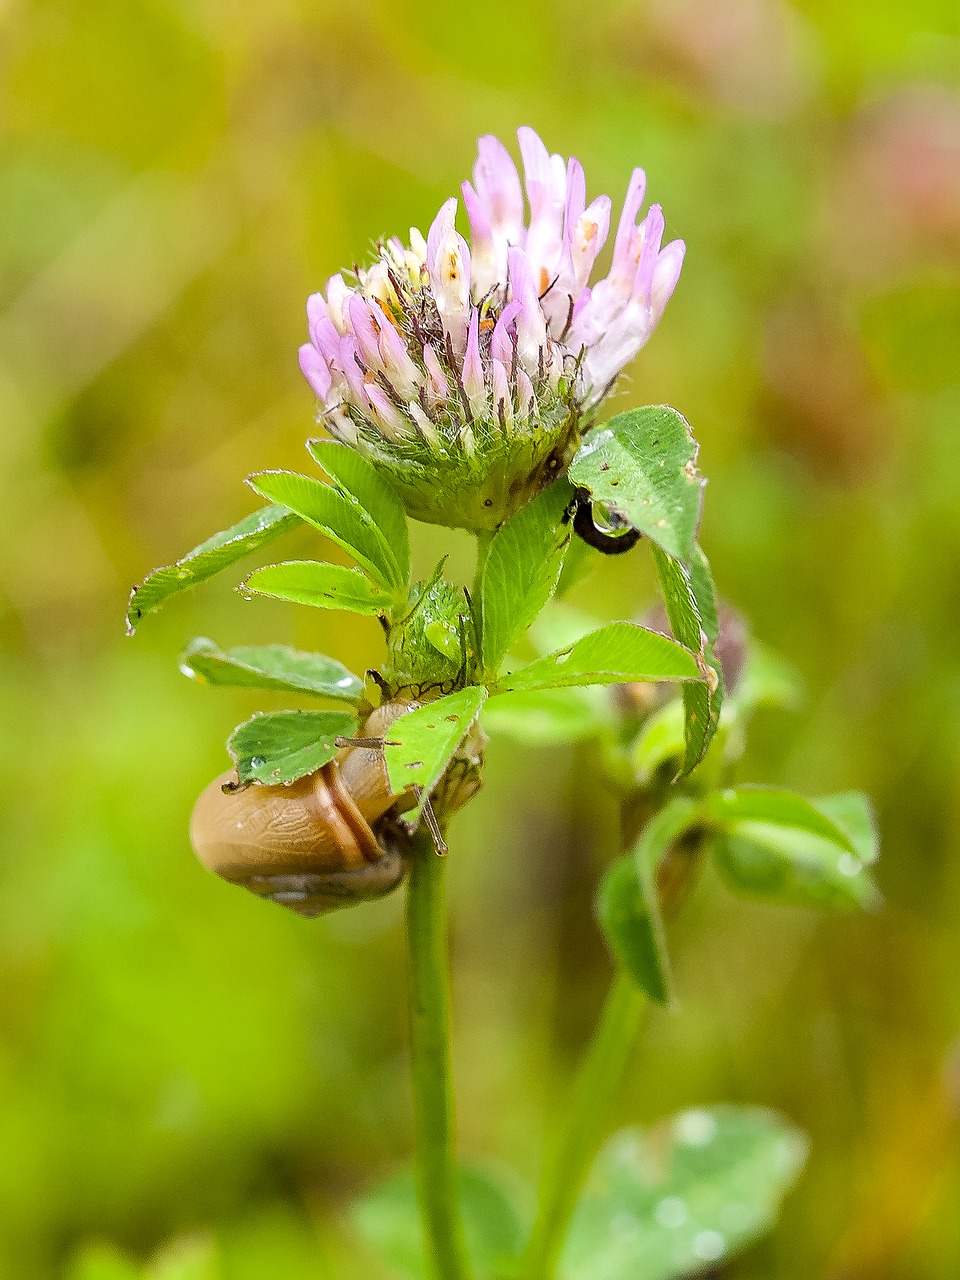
x=582, y=1123
x=437, y=1178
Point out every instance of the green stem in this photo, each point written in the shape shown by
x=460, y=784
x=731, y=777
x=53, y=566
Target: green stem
x=484, y=538
x=437, y=1178
x=583, y=1117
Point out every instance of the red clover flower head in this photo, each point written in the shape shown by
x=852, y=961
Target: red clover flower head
x=470, y=371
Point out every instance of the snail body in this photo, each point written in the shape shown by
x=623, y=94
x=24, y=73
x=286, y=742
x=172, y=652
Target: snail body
x=323, y=842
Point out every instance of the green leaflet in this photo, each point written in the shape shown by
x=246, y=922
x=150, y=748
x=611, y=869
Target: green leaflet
x=340, y=519
x=324, y=586
x=359, y=480
x=521, y=571
x=773, y=806
x=668, y=1203
x=270, y=666
x=701, y=702
x=208, y=559
x=780, y=847
x=282, y=746
x=627, y=903
x=662, y=738
x=619, y=652
x=423, y=742
x=387, y=1219
x=540, y=717
x=642, y=465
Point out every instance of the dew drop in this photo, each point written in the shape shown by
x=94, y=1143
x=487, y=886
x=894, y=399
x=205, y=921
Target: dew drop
x=696, y=1128
x=708, y=1246
x=671, y=1212
x=257, y=762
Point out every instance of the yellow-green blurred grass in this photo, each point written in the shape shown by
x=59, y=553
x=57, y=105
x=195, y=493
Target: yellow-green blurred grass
x=176, y=178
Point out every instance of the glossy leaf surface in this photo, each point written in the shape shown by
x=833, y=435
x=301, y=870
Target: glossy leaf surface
x=642, y=465
x=682, y=1197
x=522, y=569
x=359, y=480
x=282, y=746
x=701, y=702
x=628, y=907
x=618, y=652
x=343, y=521
x=776, y=807
x=270, y=666
x=422, y=743
x=324, y=586
x=806, y=853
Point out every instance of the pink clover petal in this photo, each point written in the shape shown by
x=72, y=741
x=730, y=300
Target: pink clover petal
x=440, y=228
x=326, y=340
x=536, y=170
x=652, y=228
x=349, y=356
x=388, y=415
x=317, y=313
x=665, y=276
x=588, y=237
x=365, y=331
x=608, y=357
x=483, y=251
x=314, y=369
x=636, y=190
x=576, y=197
x=395, y=358
x=501, y=389
x=497, y=184
x=472, y=374
x=448, y=259
x=338, y=294
x=531, y=325
x=501, y=343
x=526, y=399
x=546, y=178
x=438, y=379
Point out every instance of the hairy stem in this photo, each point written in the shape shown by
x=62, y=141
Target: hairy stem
x=583, y=1116
x=437, y=1178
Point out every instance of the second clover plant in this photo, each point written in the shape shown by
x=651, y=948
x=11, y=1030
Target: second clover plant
x=461, y=382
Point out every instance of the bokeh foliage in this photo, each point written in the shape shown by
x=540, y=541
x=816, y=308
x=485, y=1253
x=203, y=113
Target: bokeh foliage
x=176, y=178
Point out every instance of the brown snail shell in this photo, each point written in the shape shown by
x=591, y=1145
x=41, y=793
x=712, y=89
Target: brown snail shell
x=315, y=845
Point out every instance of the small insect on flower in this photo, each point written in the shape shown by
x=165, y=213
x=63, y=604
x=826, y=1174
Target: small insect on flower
x=470, y=371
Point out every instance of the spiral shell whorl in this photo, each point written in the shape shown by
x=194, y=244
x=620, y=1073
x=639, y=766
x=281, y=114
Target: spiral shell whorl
x=315, y=845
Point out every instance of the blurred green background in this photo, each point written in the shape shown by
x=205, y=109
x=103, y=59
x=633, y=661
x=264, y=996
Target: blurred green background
x=177, y=175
